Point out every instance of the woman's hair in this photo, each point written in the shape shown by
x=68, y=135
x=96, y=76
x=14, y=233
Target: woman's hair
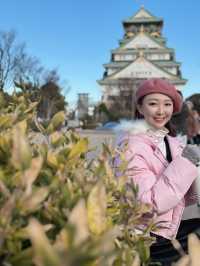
x=171, y=128
x=169, y=125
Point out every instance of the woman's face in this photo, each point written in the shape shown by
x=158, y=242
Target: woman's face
x=157, y=109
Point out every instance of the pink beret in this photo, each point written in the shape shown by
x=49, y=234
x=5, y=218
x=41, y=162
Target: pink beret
x=156, y=85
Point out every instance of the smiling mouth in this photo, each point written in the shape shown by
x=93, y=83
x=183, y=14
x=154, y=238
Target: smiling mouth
x=159, y=119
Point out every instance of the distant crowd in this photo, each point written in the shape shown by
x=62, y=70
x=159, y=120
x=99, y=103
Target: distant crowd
x=187, y=123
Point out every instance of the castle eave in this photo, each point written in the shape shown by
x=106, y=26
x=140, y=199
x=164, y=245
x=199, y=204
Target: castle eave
x=142, y=20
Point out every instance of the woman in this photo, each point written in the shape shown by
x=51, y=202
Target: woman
x=193, y=124
x=161, y=167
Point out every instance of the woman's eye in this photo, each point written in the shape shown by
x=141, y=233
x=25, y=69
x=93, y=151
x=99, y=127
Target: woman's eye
x=152, y=103
x=168, y=104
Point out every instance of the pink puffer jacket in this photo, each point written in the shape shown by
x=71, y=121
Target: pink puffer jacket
x=167, y=186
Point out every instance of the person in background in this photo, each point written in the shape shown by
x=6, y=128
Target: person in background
x=178, y=122
x=193, y=124
x=161, y=167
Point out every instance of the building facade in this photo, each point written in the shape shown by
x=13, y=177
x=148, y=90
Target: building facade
x=142, y=54
x=83, y=105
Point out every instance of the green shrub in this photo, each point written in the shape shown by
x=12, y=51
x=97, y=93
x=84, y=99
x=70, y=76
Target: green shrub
x=57, y=207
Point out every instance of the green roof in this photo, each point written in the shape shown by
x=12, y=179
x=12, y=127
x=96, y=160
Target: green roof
x=109, y=79
x=167, y=63
x=116, y=81
x=119, y=50
x=160, y=40
x=119, y=64
x=148, y=35
x=153, y=63
x=145, y=18
x=116, y=64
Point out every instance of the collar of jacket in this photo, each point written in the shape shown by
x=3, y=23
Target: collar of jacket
x=141, y=126
x=149, y=135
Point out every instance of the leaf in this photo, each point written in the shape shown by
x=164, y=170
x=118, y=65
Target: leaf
x=6, y=121
x=78, y=217
x=52, y=160
x=6, y=210
x=80, y=147
x=3, y=189
x=32, y=202
x=32, y=106
x=143, y=250
x=145, y=208
x=5, y=143
x=21, y=153
x=63, y=240
x=56, y=138
x=45, y=255
x=108, y=240
x=136, y=261
x=23, y=258
x=50, y=129
x=96, y=206
x=57, y=120
x=31, y=174
x=22, y=233
x=22, y=126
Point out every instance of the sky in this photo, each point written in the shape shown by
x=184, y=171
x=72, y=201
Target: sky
x=77, y=36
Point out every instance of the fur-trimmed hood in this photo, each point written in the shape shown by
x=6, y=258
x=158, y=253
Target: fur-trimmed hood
x=132, y=126
x=141, y=126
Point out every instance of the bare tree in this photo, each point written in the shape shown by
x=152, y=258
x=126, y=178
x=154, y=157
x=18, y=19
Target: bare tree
x=51, y=76
x=26, y=74
x=15, y=64
x=123, y=105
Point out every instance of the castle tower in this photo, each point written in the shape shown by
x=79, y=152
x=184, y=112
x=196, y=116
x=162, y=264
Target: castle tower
x=142, y=54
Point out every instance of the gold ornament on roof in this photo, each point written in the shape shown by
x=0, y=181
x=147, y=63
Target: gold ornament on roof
x=155, y=34
x=130, y=34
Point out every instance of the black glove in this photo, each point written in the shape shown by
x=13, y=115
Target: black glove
x=192, y=153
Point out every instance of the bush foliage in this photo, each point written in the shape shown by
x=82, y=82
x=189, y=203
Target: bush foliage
x=58, y=206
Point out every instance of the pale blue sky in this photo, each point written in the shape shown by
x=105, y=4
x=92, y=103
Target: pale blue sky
x=77, y=36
